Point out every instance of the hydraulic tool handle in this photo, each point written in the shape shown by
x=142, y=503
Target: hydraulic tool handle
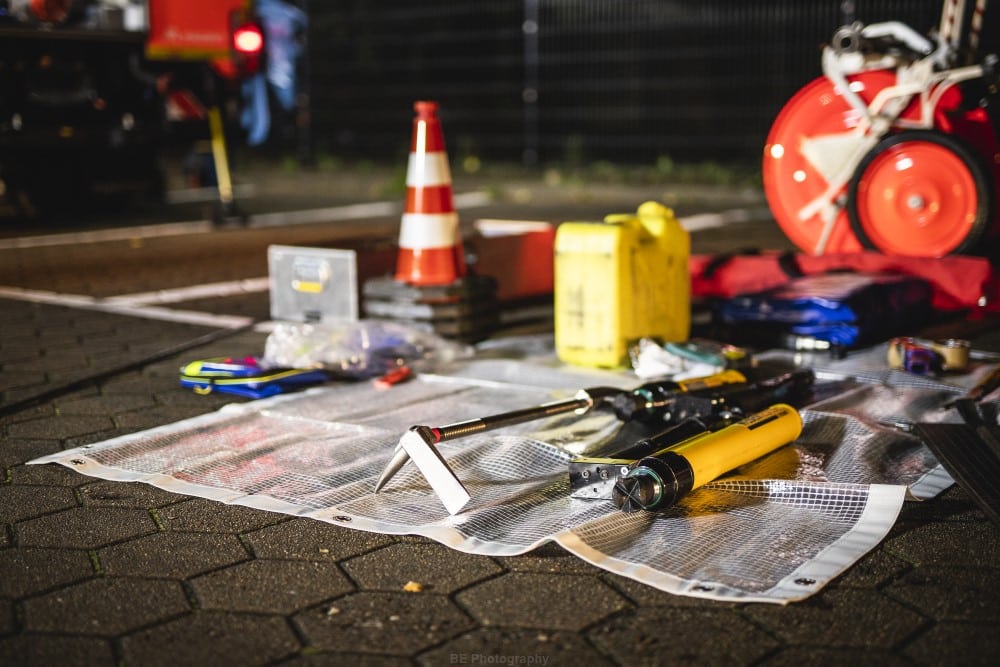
x=659, y=388
x=739, y=443
x=649, y=400
x=659, y=480
x=785, y=388
x=725, y=377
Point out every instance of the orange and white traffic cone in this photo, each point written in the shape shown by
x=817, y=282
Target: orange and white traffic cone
x=430, y=247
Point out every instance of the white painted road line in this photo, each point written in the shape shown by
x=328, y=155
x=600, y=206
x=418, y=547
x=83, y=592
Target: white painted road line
x=207, y=291
x=105, y=235
x=352, y=212
x=703, y=221
x=333, y=214
x=148, y=312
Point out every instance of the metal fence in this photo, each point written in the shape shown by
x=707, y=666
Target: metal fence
x=573, y=81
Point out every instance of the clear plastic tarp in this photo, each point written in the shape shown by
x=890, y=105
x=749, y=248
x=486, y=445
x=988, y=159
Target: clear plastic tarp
x=776, y=530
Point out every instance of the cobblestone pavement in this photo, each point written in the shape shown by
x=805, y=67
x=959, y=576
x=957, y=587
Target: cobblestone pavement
x=104, y=573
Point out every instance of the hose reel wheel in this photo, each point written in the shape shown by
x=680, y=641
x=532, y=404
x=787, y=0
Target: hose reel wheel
x=920, y=194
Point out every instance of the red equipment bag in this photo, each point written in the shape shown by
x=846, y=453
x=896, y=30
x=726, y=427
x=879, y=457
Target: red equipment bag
x=959, y=282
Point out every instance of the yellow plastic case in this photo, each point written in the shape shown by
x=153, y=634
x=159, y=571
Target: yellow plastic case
x=620, y=280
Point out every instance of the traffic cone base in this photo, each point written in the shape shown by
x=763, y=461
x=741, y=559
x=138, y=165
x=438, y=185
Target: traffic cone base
x=427, y=266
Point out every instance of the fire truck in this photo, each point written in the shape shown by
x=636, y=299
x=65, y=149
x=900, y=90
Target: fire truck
x=92, y=90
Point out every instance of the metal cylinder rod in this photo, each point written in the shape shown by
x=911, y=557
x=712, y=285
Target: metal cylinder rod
x=481, y=424
x=581, y=403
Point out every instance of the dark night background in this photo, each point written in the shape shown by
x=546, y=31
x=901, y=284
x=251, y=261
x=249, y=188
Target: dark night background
x=576, y=80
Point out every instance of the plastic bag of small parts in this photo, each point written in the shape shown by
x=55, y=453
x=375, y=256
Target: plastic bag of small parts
x=696, y=357
x=357, y=350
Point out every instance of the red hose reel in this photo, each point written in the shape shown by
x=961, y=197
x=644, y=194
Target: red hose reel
x=882, y=153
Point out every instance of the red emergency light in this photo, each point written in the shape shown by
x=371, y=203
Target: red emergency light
x=248, y=47
x=248, y=40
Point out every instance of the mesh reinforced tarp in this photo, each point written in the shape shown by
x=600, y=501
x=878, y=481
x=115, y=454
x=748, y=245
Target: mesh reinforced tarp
x=776, y=530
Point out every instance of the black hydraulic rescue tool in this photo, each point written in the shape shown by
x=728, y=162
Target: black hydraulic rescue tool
x=646, y=401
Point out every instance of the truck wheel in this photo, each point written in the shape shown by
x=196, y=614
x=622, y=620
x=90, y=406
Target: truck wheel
x=920, y=194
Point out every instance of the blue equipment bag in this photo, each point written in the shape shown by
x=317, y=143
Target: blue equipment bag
x=847, y=310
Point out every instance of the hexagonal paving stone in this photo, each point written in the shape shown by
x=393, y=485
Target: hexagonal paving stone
x=377, y=622
x=281, y=586
x=647, y=596
x=11, y=381
x=211, y=638
x=27, y=571
x=106, y=606
x=172, y=554
x=436, y=567
x=6, y=617
x=200, y=515
x=571, y=602
x=45, y=650
x=18, y=349
x=495, y=646
x=549, y=558
x=840, y=618
x=61, y=427
x=18, y=503
x=104, y=350
x=872, y=571
x=339, y=659
x=797, y=656
x=157, y=416
x=949, y=593
x=60, y=360
x=126, y=494
x=85, y=528
x=18, y=451
x=132, y=382
x=714, y=637
x=956, y=644
x=112, y=404
x=45, y=474
x=307, y=539
x=974, y=544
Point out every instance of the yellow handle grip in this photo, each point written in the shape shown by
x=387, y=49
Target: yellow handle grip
x=713, y=454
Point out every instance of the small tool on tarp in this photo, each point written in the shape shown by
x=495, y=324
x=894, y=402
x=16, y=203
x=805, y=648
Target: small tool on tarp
x=246, y=377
